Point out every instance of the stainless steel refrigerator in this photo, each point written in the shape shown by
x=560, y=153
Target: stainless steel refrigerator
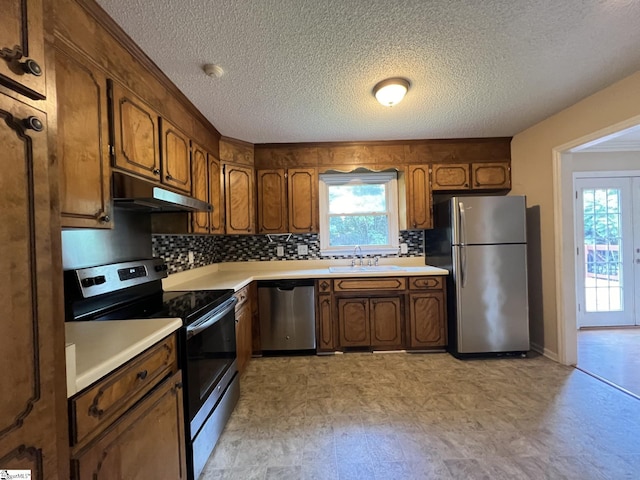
x=482, y=242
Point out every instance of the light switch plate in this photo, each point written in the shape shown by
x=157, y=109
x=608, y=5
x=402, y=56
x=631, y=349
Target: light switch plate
x=404, y=248
x=280, y=251
x=303, y=250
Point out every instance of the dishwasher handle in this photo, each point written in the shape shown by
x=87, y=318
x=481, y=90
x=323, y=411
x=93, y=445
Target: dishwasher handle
x=286, y=284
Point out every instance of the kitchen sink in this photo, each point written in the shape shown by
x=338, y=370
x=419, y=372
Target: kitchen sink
x=366, y=269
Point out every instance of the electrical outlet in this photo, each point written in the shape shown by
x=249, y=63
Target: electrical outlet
x=280, y=251
x=303, y=250
x=404, y=248
x=191, y=260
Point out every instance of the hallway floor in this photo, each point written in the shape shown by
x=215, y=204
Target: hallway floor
x=612, y=354
x=426, y=416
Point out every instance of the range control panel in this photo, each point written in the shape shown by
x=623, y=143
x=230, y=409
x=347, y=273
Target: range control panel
x=94, y=281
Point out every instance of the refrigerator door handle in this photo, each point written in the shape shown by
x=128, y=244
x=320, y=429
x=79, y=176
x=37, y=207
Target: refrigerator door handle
x=463, y=266
x=463, y=223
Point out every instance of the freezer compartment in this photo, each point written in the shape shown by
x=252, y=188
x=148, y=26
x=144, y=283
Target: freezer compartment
x=492, y=313
x=287, y=315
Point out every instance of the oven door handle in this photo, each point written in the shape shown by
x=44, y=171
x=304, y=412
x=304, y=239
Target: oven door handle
x=225, y=308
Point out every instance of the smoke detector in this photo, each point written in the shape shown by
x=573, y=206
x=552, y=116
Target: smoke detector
x=213, y=70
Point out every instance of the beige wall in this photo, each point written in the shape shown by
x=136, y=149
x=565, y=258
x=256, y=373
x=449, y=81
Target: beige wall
x=532, y=175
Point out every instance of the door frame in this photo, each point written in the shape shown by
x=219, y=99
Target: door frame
x=565, y=282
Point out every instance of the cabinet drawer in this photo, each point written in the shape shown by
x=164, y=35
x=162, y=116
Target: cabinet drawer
x=96, y=408
x=242, y=295
x=425, y=283
x=360, y=284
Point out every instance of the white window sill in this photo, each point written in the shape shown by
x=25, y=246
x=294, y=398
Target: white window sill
x=368, y=251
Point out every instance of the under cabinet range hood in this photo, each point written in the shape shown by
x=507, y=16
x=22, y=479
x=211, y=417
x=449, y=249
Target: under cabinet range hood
x=135, y=193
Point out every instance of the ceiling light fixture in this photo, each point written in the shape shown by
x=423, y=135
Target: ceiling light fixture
x=213, y=70
x=391, y=91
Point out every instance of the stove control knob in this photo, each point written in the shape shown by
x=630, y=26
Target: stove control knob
x=99, y=280
x=87, y=282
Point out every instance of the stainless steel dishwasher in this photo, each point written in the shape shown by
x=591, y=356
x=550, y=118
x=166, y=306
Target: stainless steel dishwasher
x=287, y=315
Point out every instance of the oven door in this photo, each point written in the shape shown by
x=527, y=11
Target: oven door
x=210, y=361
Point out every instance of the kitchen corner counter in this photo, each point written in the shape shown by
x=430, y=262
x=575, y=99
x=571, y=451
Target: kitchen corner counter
x=101, y=347
x=237, y=275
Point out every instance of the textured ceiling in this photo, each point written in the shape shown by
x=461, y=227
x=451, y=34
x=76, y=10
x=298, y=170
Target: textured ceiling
x=303, y=70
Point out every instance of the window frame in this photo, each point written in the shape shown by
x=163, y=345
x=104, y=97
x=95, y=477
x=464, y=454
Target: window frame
x=393, y=214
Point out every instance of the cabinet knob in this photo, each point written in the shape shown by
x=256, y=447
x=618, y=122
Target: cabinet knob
x=156, y=171
x=33, y=123
x=105, y=219
x=466, y=184
x=31, y=67
x=169, y=177
x=142, y=375
x=178, y=384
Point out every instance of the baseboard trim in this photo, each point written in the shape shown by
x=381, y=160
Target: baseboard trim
x=545, y=352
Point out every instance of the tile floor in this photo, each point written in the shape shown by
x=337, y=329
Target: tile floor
x=426, y=416
x=612, y=354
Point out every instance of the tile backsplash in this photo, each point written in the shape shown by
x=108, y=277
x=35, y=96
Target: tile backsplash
x=208, y=249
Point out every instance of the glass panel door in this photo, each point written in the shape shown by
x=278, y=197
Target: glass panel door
x=604, y=238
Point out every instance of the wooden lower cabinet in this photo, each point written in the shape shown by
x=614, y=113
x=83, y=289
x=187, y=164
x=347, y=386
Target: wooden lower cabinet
x=147, y=442
x=385, y=319
x=427, y=320
x=244, y=316
x=370, y=322
x=353, y=322
x=324, y=332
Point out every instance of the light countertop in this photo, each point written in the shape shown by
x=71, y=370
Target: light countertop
x=101, y=347
x=236, y=275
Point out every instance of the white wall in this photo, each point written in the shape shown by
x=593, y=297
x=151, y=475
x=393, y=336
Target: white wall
x=535, y=174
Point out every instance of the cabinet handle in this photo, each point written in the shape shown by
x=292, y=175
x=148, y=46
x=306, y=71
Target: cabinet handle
x=105, y=219
x=142, y=375
x=156, y=171
x=31, y=67
x=169, y=177
x=33, y=123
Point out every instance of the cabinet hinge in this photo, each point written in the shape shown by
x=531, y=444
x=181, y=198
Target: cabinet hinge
x=224, y=168
x=112, y=150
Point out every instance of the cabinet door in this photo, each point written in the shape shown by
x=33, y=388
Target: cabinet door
x=272, y=201
x=324, y=324
x=29, y=422
x=83, y=143
x=239, y=201
x=303, y=200
x=135, y=134
x=419, y=198
x=147, y=442
x=427, y=319
x=200, y=184
x=385, y=318
x=353, y=322
x=243, y=335
x=450, y=176
x=216, y=216
x=490, y=175
x=176, y=159
x=22, y=66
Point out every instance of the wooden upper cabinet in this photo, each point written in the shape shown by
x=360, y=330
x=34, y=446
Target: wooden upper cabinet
x=83, y=143
x=216, y=216
x=239, y=199
x=272, y=201
x=418, y=197
x=30, y=424
x=450, y=176
x=22, y=61
x=200, y=187
x=490, y=176
x=176, y=159
x=303, y=200
x=135, y=136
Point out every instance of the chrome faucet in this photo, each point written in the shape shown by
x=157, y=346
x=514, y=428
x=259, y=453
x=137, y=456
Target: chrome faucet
x=355, y=253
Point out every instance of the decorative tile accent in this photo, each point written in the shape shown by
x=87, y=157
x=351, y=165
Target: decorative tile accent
x=174, y=249
x=208, y=249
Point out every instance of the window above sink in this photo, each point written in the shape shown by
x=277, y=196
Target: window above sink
x=359, y=209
